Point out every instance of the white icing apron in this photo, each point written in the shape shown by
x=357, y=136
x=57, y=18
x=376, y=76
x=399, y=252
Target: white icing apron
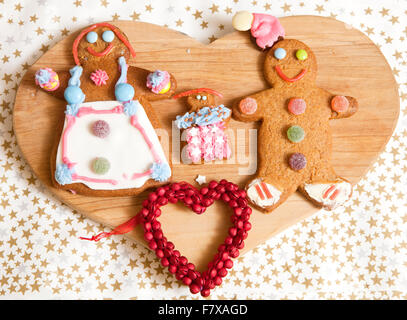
x=131, y=147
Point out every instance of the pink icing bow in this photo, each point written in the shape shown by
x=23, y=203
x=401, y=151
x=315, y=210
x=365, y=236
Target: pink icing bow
x=266, y=29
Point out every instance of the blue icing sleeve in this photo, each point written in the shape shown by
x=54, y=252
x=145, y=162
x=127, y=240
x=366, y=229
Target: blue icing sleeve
x=207, y=115
x=42, y=76
x=123, y=70
x=131, y=107
x=184, y=122
x=160, y=171
x=72, y=109
x=63, y=175
x=73, y=93
x=76, y=73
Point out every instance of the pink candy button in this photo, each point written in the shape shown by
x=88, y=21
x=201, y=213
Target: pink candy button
x=248, y=106
x=296, y=106
x=340, y=104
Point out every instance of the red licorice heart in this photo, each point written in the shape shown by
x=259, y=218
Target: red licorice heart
x=198, y=201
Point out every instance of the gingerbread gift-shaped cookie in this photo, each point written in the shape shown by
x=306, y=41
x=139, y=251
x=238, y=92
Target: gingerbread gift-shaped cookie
x=108, y=145
x=205, y=124
x=294, y=140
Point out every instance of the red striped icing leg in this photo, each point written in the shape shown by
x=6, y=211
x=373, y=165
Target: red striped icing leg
x=329, y=194
x=263, y=194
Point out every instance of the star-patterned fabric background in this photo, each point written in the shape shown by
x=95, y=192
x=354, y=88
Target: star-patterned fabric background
x=358, y=251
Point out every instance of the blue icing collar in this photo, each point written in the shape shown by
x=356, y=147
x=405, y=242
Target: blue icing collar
x=203, y=117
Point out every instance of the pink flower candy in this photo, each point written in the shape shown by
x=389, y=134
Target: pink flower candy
x=99, y=77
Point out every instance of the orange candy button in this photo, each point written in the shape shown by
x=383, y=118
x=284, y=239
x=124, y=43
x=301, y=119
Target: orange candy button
x=248, y=106
x=340, y=104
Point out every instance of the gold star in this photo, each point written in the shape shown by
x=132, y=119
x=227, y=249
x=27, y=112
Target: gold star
x=154, y=284
x=44, y=48
x=23, y=288
x=368, y=11
x=179, y=23
x=149, y=8
x=17, y=53
x=376, y=280
x=90, y=269
x=167, y=284
x=49, y=246
x=18, y=7
x=116, y=285
x=214, y=8
x=39, y=31
x=286, y=7
x=197, y=14
x=78, y=3
x=147, y=263
x=12, y=241
x=293, y=279
x=394, y=20
x=369, y=31
x=102, y=286
x=104, y=3
x=7, y=166
x=133, y=263
x=212, y=38
x=33, y=18
x=307, y=283
x=5, y=60
x=135, y=16
x=384, y=12
x=319, y=8
x=7, y=78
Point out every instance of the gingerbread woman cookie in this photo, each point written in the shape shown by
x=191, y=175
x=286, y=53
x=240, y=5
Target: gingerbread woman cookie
x=205, y=125
x=108, y=145
x=294, y=140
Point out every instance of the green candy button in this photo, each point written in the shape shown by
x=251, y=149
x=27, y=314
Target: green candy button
x=295, y=134
x=100, y=165
x=301, y=54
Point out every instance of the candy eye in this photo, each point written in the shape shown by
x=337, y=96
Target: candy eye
x=301, y=54
x=204, y=98
x=198, y=97
x=92, y=37
x=280, y=53
x=108, y=36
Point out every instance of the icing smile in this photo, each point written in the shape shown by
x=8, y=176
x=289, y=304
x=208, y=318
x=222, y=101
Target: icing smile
x=296, y=78
x=102, y=53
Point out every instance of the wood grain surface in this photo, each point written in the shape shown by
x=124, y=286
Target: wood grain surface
x=349, y=64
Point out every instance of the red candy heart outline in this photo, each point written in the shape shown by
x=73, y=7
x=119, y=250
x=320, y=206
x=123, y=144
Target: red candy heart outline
x=197, y=201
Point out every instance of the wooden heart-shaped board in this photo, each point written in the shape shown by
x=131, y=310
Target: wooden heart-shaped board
x=349, y=64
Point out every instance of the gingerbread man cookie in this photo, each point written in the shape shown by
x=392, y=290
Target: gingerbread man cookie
x=294, y=140
x=108, y=145
x=205, y=125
